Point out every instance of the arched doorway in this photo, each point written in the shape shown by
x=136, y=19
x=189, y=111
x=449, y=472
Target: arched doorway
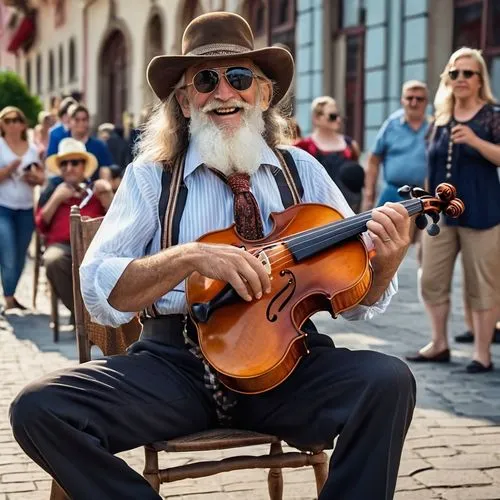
x=187, y=11
x=114, y=78
x=154, y=47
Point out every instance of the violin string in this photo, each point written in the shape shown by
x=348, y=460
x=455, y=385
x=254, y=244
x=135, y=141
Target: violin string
x=343, y=225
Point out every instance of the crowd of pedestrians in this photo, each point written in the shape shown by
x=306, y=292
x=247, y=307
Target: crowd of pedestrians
x=43, y=172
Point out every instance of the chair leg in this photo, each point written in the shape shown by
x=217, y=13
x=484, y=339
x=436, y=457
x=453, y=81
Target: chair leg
x=54, y=313
x=151, y=468
x=320, y=470
x=57, y=493
x=36, y=270
x=275, y=476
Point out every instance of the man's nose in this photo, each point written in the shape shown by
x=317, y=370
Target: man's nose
x=224, y=91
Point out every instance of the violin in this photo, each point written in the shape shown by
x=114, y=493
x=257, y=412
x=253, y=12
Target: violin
x=316, y=261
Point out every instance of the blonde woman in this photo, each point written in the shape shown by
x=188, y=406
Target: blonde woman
x=464, y=150
x=20, y=170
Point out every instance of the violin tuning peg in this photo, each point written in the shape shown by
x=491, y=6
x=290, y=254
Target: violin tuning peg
x=421, y=221
x=433, y=230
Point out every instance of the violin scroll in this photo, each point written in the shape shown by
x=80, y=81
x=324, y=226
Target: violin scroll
x=444, y=200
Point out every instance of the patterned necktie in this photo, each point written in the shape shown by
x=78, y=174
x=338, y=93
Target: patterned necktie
x=246, y=209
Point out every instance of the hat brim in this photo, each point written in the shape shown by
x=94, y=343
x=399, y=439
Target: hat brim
x=164, y=72
x=90, y=166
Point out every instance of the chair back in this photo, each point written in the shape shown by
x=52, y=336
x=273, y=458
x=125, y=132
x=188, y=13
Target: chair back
x=109, y=340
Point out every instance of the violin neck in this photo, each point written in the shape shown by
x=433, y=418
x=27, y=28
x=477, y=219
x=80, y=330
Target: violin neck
x=310, y=242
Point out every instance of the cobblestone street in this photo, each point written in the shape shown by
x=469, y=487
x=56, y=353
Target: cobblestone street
x=452, y=451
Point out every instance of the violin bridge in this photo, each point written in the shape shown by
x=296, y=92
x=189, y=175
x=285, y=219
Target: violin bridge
x=264, y=259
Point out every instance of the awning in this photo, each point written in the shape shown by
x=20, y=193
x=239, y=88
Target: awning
x=23, y=32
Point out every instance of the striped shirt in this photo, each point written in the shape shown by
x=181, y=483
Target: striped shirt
x=132, y=225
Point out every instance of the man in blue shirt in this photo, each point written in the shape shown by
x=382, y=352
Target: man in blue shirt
x=79, y=128
x=400, y=147
x=61, y=128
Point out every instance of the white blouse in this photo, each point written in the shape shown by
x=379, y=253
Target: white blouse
x=15, y=193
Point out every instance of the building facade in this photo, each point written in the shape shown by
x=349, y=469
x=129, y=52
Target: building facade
x=98, y=50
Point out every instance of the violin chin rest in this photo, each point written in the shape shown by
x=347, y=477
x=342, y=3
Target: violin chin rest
x=200, y=312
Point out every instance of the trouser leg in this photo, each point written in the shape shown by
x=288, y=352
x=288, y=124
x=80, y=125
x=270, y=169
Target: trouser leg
x=25, y=225
x=73, y=421
x=8, y=251
x=364, y=397
x=57, y=261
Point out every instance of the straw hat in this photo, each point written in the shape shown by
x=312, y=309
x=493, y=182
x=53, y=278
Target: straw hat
x=70, y=148
x=220, y=35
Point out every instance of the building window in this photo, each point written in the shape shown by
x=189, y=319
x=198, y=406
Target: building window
x=493, y=38
x=354, y=86
x=60, y=12
x=61, y=66
x=72, y=60
x=39, y=74
x=27, y=74
x=467, y=25
x=257, y=16
x=51, y=70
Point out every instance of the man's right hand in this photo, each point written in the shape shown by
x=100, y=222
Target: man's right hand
x=64, y=192
x=233, y=265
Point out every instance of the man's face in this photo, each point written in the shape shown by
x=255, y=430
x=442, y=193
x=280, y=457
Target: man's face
x=414, y=102
x=79, y=124
x=222, y=104
x=72, y=169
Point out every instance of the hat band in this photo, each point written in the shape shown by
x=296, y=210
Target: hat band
x=215, y=49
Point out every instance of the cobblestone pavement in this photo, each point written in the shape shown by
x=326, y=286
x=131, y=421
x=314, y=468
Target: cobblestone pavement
x=452, y=450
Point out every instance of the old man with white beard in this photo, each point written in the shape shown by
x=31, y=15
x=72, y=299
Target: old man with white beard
x=213, y=154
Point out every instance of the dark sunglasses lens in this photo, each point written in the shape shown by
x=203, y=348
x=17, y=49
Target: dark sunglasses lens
x=468, y=73
x=453, y=74
x=73, y=163
x=240, y=78
x=206, y=81
x=332, y=117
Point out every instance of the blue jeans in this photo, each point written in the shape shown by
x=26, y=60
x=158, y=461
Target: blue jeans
x=16, y=228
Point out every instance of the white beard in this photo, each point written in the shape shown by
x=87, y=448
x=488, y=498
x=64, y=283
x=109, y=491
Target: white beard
x=224, y=149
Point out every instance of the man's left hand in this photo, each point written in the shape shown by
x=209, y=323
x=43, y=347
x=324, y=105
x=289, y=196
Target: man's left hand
x=390, y=232
x=102, y=187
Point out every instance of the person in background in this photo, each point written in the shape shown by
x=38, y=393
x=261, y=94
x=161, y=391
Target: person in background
x=75, y=166
x=20, y=171
x=119, y=149
x=337, y=152
x=61, y=128
x=42, y=132
x=464, y=150
x=79, y=124
x=400, y=148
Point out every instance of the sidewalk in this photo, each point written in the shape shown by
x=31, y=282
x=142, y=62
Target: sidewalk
x=452, y=450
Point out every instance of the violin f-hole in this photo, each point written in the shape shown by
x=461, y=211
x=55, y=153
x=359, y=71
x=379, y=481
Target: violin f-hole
x=286, y=293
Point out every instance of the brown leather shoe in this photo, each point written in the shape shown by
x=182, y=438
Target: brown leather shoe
x=440, y=357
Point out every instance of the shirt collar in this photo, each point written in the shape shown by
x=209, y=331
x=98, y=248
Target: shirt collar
x=193, y=159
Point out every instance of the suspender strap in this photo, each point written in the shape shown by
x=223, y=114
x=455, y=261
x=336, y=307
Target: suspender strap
x=292, y=179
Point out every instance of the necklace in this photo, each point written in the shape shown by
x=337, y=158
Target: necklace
x=450, y=151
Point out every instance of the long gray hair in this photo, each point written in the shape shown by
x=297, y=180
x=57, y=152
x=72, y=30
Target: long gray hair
x=165, y=135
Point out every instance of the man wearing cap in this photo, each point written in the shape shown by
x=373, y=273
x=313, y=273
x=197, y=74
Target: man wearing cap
x=215, y=135
x=75, y=165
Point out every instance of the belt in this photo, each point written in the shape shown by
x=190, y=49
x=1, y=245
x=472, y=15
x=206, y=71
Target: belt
x=168, y=330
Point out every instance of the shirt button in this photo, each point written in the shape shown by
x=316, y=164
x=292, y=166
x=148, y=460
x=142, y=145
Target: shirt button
x=448, y=175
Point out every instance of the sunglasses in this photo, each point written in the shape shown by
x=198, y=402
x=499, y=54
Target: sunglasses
x=73, y=163
x=418, y=98
x=8, y=121
x=467, y=73
x=207, y=80
x=331, y=117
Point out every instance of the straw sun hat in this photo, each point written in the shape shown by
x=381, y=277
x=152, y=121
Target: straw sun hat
x=70, y=148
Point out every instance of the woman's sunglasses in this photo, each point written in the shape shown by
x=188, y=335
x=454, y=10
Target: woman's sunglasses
x=467, y=73
x=8, y=121
x=331, y=117
x=207, y=80
x=73, y=163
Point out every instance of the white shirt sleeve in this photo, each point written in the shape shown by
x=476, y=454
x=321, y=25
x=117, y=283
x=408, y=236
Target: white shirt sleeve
x=319, y=188
x=132, y=212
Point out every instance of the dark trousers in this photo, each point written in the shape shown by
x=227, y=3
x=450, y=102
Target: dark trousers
x=57, y=261
x=73, y=421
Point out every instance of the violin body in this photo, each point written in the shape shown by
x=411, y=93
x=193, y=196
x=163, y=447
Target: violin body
x=254, y=346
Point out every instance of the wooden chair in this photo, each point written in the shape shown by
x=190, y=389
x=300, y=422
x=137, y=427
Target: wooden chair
x=115, y=340
x=37, y=264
